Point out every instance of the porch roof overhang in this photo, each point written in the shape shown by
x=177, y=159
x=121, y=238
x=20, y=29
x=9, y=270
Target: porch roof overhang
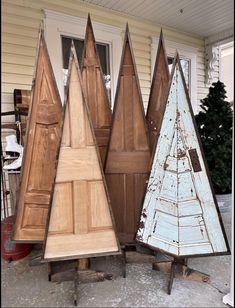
x=209, y=20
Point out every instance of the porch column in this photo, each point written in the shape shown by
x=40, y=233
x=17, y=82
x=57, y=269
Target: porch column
x=229, y=298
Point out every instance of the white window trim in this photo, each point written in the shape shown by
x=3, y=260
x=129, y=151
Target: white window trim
x=185, y=52
x=57, y=24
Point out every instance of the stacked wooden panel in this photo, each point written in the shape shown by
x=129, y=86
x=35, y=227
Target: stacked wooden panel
x=128, y=155
x=80, y=222
x=42, y=138
x=95, y=91
x=180, y=214
x=158, y=93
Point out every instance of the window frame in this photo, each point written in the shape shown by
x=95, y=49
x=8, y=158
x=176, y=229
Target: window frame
x=185, y=52
x=59, y=24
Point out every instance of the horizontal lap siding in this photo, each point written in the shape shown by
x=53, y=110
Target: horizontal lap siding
x=20, y=25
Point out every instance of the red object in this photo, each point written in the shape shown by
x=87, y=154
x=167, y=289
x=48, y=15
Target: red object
x=11, y=251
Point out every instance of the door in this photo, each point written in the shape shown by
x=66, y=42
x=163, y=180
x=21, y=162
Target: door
x=180, y=215
x=80, y=222
x=128, y=156
x=39, y=156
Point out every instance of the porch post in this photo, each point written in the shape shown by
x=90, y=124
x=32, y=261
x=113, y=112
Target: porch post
x=229, y=298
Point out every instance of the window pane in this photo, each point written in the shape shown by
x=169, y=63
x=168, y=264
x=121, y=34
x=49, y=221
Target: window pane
x=66, y=45
x=103, y=52
x=185, y=67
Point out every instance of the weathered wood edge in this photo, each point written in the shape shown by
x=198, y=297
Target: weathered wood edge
x=89, y=25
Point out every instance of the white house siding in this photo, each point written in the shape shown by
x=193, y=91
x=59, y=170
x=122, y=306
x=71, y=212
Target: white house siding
x=20, y=25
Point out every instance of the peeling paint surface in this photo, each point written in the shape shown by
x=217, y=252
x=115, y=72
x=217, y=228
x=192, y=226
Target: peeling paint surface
x=179, y=214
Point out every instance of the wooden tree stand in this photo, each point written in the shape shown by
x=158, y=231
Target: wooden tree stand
x=77, y=271
x=178, y=268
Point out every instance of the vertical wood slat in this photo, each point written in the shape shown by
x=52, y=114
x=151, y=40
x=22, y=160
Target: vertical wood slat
x=78, y=132
x=81, y=195
x=128, y=112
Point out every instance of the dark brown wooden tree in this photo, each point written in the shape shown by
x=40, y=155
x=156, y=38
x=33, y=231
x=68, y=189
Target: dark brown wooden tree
x=96, y=92
x=128, y=156
x=42, y=140
x=158, y=92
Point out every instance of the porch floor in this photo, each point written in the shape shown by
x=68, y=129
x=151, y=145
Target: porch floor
x=27, y=286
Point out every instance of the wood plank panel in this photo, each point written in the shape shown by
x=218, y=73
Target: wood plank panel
x=128, y=162
x=180, y=213
x=128, y=156
x=95, y=91
x=39, y=157
x=63, y=198
x=80, y=222
x=158, y=92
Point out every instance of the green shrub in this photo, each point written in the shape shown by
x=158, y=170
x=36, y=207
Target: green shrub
x=215, y=129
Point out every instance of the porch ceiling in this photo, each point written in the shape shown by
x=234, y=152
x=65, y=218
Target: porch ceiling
x=200, y=17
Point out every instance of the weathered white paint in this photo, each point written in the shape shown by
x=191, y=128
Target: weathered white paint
x=179, y=215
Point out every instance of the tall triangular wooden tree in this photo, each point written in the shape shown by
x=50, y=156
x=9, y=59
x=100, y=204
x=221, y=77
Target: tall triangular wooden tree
x=42, y=139
x=158, y=92
x=80, y=223
x=180, y=213
x=128, y=156
x=95, y=91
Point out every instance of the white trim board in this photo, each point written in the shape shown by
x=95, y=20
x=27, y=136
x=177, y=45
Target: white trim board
x=58, y=24
x=185, y=52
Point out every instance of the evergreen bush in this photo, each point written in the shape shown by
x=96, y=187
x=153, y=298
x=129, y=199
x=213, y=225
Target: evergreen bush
x=215, y=129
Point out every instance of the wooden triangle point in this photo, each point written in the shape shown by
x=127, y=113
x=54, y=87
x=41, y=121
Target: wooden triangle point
x=95, y=91
x=158, y=92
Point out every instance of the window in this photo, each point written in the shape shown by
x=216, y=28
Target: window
x=103, y=52
x=60, y=29
x=185, y=67
x=188, y=56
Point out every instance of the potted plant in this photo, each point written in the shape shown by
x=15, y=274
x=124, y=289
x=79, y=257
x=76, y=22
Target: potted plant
x=215, y=128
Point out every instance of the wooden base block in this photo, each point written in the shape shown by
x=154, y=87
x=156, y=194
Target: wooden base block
x=68, y=270
x=181, y=271
x=138, y=257
x=85, y=276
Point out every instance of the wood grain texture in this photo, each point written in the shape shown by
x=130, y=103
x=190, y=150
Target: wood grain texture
x=158, y=92
x=128, y=156
x=180, y=214
x=80, y=221
x=95, y=91
x=39, y=157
